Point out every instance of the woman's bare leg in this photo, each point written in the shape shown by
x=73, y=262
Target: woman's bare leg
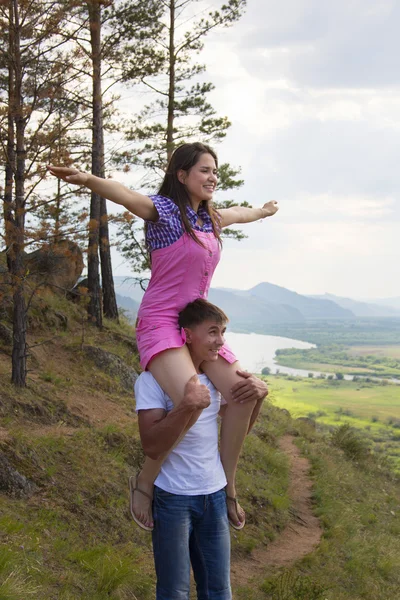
x=235, y=424
x=172, y=369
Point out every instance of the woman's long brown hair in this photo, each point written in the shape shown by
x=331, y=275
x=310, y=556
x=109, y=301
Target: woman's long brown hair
x=184, y=158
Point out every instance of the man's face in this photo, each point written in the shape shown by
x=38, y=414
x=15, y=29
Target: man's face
x=206, y=339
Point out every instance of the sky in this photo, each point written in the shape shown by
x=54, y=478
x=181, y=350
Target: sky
x=312, y=89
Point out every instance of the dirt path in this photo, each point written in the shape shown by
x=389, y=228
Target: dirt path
x=302, y=534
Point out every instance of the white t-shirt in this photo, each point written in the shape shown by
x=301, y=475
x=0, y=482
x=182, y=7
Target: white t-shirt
x=194, y=466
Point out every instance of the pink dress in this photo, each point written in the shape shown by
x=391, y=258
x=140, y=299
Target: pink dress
x=180, y=273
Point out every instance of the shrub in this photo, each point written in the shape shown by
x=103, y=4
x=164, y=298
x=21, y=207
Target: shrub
x=339, y=376
x=348, y=439
x=290, y=586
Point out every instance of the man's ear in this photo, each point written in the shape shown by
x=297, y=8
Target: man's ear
x=188, y=334
x=181, y=174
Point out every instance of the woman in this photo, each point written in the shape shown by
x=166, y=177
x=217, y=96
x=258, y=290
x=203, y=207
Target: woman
x=183, y=237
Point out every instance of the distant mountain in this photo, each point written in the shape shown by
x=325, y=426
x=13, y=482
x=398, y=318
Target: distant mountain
x=362, y=309
x=245, y=311
x=127, y=286
x=267, y=304
x=391, y=302
x=310, y=308
x=129, y=305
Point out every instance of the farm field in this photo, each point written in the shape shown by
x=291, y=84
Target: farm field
x=390, y=351
x=378, y=361
x=372, y=408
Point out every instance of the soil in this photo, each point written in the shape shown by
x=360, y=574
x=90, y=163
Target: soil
x=301, y=536
x=97, y=407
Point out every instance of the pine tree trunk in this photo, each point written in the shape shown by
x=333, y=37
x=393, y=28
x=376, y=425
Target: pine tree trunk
x=171, y=87
x=94, y=307
x=109, y=299
x=110, y=307
x=15, y=215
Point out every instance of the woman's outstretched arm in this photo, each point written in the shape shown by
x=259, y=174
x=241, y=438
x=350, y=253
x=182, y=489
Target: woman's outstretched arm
x=140, y=205
x=243, y=214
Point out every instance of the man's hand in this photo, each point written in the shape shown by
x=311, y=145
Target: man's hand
x=250, y=388
x=196, y=395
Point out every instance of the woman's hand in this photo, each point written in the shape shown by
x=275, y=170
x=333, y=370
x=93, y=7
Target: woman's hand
x=270, y=208
x=69, y=174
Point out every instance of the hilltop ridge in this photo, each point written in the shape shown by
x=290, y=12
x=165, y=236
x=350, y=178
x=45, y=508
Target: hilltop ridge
x=267, y=304
x=71, y=437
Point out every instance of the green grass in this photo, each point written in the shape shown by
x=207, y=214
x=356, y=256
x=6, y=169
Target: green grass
x=370, y=407
x=358, y=504
x=74, y=538
x=302, y=395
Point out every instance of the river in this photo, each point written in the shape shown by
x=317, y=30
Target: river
x=256, y=351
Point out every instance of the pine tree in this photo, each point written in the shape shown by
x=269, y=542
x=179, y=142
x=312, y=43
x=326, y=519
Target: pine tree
x=33, y=78
x=181, y=111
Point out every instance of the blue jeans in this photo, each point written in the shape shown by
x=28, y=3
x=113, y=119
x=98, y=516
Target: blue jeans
x=191, y=529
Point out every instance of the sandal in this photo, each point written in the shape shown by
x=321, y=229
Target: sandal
x=133, y=487
x=231, y=523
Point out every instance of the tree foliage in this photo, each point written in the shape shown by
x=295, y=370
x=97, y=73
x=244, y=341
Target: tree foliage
x=180, y=111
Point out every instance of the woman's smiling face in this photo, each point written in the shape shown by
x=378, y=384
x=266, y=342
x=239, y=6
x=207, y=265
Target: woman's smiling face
x=201, y=179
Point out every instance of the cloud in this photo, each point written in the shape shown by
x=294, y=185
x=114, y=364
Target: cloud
x=323, y=44
x=335, y=207
x=356, y=261
x=312, y=90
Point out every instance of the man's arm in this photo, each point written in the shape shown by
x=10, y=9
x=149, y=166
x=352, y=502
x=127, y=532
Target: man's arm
x=160, y=431
x=249, y=388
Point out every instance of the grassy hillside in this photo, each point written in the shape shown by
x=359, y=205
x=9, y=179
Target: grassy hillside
x=369, y=407
x=73, y=434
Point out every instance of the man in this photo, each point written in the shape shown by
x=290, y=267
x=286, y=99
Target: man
x=190, y=515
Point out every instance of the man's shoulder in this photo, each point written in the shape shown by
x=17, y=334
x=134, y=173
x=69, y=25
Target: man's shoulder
x=148, y=392
x=146, y=378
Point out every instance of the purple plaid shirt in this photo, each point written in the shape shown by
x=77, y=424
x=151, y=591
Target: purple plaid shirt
x=169, y=227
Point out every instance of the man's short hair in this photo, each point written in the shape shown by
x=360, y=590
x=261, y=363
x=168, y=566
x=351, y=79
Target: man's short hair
x=199, y=311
